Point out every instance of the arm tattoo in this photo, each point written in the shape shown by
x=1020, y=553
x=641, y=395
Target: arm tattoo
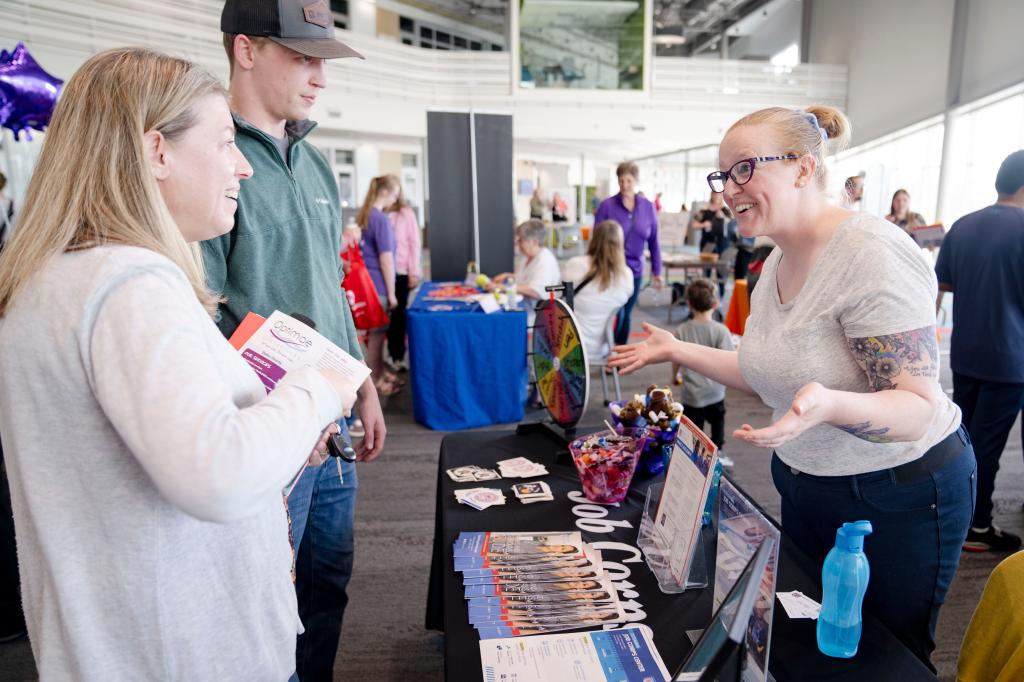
x=864, y=431
x=883, y=358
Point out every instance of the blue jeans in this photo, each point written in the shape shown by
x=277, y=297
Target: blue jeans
x=989, y=410
x=323, y=510
x=919, y=529
x=625, y=315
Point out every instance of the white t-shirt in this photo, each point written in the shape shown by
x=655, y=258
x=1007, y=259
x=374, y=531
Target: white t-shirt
x=869, y=281
x=593, y=306
x=538, y=272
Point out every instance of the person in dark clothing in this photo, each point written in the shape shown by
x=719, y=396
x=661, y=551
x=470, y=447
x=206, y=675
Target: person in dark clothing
x=982, y=262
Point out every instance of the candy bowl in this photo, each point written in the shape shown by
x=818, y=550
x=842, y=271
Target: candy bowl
x=605, y=462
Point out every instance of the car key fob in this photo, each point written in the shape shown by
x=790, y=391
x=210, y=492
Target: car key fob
x=337, y=447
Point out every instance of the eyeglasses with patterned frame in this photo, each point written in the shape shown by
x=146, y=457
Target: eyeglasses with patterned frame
x=742, y=171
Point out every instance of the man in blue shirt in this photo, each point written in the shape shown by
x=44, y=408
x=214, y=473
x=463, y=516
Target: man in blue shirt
x=982, y=263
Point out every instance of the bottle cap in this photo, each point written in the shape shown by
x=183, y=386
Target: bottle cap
x=850, y=536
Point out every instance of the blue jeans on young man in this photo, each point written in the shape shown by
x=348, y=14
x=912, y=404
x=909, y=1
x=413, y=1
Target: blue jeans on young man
x=919, y=529
x=625, y=315
x=989, y=410
x=322, y=510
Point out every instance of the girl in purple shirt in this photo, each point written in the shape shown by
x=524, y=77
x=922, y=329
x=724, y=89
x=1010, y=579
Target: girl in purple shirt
x=378, y=246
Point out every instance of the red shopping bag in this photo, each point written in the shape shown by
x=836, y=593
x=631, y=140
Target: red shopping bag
x=367, y=312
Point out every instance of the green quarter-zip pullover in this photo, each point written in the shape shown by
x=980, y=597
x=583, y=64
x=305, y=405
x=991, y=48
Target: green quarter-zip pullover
x=283, y=252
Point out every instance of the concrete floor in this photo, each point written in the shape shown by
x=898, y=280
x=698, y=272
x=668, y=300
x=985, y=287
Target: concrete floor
x=384, y=639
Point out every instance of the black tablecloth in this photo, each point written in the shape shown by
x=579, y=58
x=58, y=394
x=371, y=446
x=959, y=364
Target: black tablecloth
x=794, y=653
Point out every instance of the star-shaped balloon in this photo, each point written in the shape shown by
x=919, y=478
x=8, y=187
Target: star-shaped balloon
x=27, y=93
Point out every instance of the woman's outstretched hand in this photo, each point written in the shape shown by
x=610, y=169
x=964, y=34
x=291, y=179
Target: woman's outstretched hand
x=811, y=406
x=657, y=348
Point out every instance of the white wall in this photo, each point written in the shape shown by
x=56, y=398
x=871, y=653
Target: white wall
x=778, y=32
x=362, y=15
x=897, y=53
x=994, y=50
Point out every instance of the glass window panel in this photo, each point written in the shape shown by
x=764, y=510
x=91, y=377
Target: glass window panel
x=406, y=24
x=459, y=41
x=598, y=44
x=442, y=37
x=426, y=32
x=408, y=160
x=474, y=45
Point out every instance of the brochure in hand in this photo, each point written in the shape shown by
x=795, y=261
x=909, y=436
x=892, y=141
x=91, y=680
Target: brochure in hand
x=280, y=343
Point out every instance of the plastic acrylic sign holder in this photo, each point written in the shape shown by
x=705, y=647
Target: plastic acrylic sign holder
x=657, y=550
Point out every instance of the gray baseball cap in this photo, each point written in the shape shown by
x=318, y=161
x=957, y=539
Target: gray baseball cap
x=305, y=26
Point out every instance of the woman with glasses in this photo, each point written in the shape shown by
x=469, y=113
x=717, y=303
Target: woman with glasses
x=841, y=345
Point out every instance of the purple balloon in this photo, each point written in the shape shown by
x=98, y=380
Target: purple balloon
x=27, y=93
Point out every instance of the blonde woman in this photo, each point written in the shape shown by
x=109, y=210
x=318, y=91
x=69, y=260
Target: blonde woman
x=841, y=345
x=146, y=461
x=603, y=284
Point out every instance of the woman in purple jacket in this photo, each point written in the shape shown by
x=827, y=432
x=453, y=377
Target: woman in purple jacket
x=639, y=223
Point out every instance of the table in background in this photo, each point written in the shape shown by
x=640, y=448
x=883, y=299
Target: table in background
x=793, y=654
x=468, y=368
x=689, y=263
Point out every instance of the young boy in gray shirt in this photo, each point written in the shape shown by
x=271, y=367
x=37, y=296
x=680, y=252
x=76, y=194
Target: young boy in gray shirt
x=703, y=399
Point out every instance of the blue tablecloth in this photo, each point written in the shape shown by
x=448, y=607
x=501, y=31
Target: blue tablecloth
x=468, y=368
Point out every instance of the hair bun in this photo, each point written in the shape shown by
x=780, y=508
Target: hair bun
x=835, y=124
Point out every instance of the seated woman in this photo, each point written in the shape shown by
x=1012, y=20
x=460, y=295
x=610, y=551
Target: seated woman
x=603, y=284
x=537, y=271
x=146, y=459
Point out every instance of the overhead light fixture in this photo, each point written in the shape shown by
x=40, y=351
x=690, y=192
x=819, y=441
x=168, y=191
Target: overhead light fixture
x=669, y=39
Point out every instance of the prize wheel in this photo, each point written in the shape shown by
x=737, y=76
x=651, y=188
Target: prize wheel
x=559, y=363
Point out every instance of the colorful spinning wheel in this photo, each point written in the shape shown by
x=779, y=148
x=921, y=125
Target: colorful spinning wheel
x=561, y=367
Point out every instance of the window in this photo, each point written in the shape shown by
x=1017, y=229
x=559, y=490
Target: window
x=474, y=45
x=408, y=160
x=442, y=37
x=426, y=32
x=406, y=24
x=339, y=6
x=344, y=157
x=459, y=41
x=406, y=41
x=495, y=48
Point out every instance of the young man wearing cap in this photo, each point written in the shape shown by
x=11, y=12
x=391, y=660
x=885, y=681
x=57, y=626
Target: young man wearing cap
x=982, y=262
x=283, y=255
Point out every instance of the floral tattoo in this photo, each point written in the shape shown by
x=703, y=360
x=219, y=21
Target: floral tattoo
x=883, y=358
x=864, y=431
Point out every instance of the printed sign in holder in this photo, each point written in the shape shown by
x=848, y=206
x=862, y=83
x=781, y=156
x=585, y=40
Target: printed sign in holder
x=657, y=550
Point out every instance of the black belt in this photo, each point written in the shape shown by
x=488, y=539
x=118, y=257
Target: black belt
x=936, y=457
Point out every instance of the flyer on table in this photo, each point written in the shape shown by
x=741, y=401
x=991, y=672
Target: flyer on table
x=677, y=521
x=625, y=655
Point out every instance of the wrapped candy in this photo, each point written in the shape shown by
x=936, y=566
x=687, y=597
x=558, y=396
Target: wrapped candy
x=605, y=463
x=28, y=94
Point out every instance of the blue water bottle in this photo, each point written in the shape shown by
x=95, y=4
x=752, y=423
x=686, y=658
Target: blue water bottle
x=844, y=579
